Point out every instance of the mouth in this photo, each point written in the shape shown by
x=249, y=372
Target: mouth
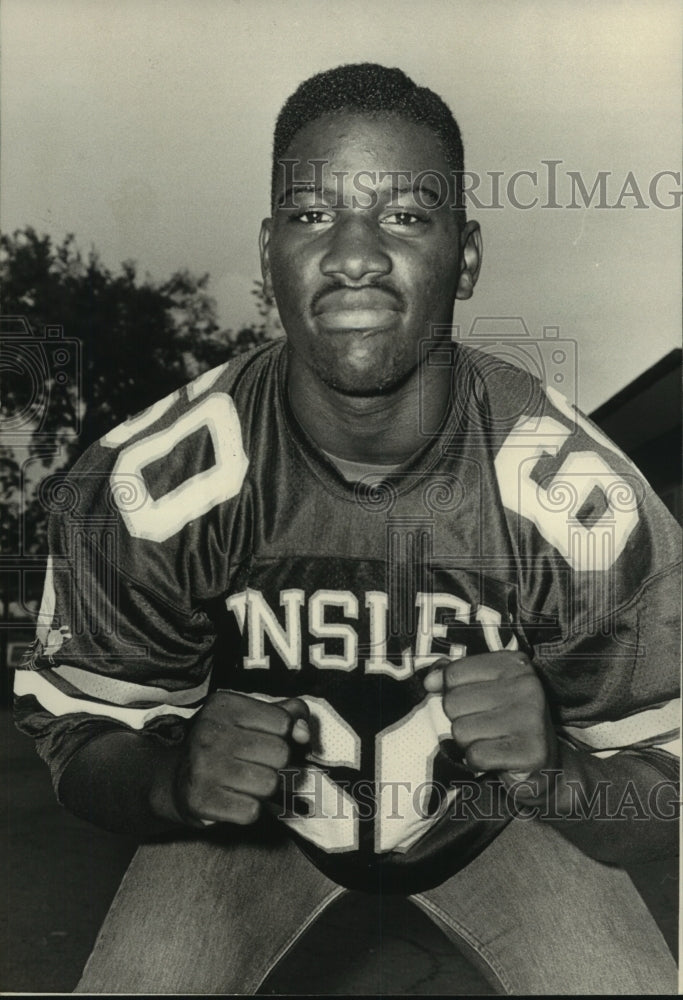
x=362, y=310
x=357, y=320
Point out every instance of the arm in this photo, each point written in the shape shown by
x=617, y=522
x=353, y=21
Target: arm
x=115, y=694
x=597, y=558
x=116, y=689
x=115, y=781
x=140, y=759
x=595, y=799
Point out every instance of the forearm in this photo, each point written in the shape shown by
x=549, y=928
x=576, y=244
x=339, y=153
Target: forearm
x=620, y=809
x=123, y=782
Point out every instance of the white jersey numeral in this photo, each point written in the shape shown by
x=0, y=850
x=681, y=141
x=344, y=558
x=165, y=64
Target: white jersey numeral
x=160, y=518
x=404, y=754
x=129, y=428
x=332, y=819
x=553, y=505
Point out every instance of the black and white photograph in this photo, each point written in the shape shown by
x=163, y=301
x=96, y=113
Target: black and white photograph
x=340, y=497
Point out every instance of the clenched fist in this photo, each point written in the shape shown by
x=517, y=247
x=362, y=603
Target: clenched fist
x=498, y=713
x=229, y=762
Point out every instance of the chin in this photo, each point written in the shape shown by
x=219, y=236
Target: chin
x=365, y=384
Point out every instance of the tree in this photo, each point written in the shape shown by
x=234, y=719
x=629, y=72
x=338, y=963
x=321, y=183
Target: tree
x=128, y=342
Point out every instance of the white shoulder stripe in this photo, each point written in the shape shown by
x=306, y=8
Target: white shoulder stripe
x=673, y=747
x=57, y=703
x=124, y=692
x=647, y=725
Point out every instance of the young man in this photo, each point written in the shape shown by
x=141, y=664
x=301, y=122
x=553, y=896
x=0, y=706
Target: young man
x=365, y=609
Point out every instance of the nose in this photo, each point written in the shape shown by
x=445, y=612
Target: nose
x=355, y=250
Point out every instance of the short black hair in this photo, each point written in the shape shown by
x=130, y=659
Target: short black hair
x=369, y=88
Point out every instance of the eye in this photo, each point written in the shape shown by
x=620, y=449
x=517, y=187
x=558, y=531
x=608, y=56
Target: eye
x=403, y=218
x=313, y=217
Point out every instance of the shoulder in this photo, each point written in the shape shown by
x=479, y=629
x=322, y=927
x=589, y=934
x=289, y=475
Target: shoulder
x=497, y=391
x=565, y=483
x=143, y=466
x=228, y=380
x=524, y=415
x=149, y=494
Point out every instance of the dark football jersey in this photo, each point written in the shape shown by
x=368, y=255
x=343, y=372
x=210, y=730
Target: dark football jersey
x=208, y=544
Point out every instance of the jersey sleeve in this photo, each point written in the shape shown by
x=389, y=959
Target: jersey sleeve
x=123, y=638
x=599, y=572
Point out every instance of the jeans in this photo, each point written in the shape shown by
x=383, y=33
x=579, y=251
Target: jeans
x=534, y=913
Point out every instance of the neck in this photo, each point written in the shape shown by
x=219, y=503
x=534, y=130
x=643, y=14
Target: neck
x=383, y=429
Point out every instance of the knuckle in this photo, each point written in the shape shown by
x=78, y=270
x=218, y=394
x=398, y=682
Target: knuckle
x=451, y=670
x=530, y=685
x=211, y=704
x=236, y=708
x=203, y=738
x=281, y=754
x=281, y=720
x=249, y=812
x=217, y=706
x=477, y=757
x=191, y=773
x=450, y=705
x=191, y=799
x=461, y=730
x=270, y=783
x=525, y=692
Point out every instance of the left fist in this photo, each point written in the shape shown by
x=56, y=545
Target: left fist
x=498, y=713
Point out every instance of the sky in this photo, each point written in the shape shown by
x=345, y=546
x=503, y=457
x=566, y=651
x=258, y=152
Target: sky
x=144, y=127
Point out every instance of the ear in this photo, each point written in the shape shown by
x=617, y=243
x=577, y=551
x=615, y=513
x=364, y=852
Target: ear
x=264, y=244
x=471, y=250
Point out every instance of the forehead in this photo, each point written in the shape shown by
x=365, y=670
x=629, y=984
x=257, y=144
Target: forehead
x=353, y=141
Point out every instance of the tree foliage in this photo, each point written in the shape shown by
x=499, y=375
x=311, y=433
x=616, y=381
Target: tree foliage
x=130, y=341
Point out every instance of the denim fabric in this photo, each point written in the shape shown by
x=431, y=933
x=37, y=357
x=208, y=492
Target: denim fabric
x=533, y=912
x=537, y=916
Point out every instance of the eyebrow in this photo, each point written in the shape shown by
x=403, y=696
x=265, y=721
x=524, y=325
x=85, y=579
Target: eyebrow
x=308, y=187
x=302, y=187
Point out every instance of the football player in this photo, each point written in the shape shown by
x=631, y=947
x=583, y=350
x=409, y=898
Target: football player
x=365, y=609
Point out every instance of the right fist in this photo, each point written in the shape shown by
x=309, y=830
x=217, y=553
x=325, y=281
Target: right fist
x=229, y=762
